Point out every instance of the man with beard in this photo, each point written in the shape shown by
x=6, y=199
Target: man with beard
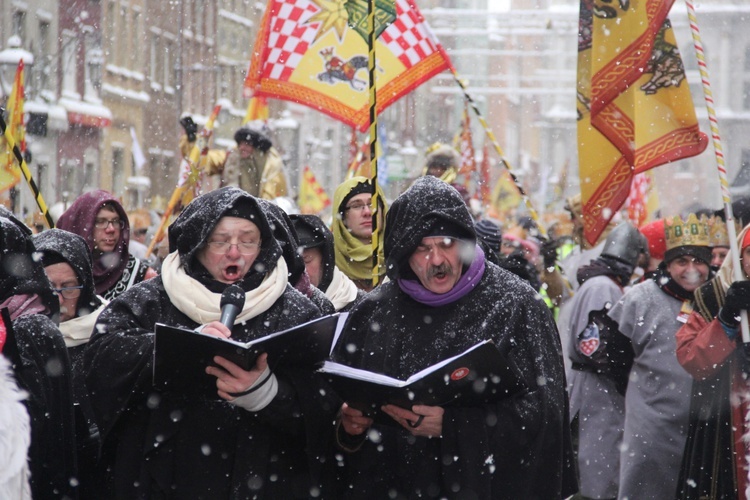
x=442, y=298
x=264, y=432
x=657, y=399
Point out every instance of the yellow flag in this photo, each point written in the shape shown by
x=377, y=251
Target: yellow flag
x=257, y=110
x=10, y=173
x=505, y=195
x=635, y=111
x=312, y=197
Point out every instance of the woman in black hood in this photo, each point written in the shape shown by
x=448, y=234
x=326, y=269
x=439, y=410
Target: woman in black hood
x=40, y=361
x=269, y=443
x=67, y=260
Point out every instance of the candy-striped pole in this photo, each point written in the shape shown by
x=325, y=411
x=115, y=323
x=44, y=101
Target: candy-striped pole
x=719, y=153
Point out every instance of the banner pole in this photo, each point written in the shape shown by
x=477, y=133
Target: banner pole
x=26, y=172
x=719, y=153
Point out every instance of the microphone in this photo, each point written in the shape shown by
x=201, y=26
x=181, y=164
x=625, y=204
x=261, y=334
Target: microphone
x=232, y=302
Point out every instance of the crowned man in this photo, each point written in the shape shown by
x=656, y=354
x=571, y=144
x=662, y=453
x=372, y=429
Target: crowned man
x=657, y=399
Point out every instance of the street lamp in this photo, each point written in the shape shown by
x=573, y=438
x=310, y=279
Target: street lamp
x=9, y=59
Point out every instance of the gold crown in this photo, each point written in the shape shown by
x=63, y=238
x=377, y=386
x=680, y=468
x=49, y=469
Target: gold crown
x=717, y=231
x=693, y=231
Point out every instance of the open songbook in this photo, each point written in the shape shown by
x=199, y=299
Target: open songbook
x=479, y=375
x=181, y=356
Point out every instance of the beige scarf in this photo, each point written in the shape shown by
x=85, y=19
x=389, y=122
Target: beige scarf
x=342, y=291
x=78, y=330
x=203, y=306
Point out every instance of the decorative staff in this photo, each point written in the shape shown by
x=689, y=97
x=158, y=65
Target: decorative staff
x=719, y=153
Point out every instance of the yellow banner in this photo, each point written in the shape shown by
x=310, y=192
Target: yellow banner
x=315, y=52
x=10, y=173
x=634, y=106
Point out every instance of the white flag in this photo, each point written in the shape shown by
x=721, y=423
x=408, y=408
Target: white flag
x=138, y=157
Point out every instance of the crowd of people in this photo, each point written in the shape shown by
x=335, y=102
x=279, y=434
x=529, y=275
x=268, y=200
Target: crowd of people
x=629, y=350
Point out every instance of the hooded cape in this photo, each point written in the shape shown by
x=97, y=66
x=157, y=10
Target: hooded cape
x=498, y=450
x=151, y=437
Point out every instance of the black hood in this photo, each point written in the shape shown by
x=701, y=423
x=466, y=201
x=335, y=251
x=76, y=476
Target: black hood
x=286, y=236
x=429, y=207
x=57, y=245
x=21, y=271
x=313, y=225
x=189, y=232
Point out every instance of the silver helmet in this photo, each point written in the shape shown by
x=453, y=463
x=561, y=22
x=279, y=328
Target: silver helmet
x=625, y=243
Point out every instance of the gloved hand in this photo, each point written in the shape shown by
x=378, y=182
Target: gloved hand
x=191, y=128
x=738, y=297
x=549, y=253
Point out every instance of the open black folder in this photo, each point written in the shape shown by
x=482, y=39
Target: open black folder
x=181, y=356
x=480, y=375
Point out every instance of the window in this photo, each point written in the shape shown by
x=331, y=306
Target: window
x=69, y=66
x=118, y=169
x=19, y=24
x=154, y=59
x=93, y=69
x=43, y=38
x=89, y=170
x=136, y=47
x=122, y=37
x=69, y=178
x=109, y=43
x=167, y=64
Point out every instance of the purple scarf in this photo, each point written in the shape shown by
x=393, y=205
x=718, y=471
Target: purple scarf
x=465, y=284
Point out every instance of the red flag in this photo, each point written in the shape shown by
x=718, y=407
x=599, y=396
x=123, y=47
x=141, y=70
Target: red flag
x=315, y=52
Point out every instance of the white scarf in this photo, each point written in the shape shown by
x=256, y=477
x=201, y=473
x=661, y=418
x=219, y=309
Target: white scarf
x=203, y=306
x=78, y=330
x=342, y=290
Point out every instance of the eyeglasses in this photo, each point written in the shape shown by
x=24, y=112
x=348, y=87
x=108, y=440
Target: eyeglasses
x=104, y=223
x=357, y=207
x=141, y=231
x=223, y=247
x=69, y=292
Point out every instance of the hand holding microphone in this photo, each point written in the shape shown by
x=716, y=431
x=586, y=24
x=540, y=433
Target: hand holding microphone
x=232, y=302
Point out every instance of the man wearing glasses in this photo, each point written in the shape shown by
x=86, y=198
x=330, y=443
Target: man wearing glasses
x=261, y=433
x=352, y=230
x=101, y=220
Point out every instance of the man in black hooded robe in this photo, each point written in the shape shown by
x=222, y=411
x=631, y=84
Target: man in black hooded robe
x=516, y=448
x=168, y=444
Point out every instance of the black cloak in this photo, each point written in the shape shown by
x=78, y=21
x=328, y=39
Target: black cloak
x=58, y=245
x=286, y=236
x=41, y=366
x=517, y=448
x=174, y=445
x=313, y=225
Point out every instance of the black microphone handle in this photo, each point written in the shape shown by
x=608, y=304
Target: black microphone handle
x=228, y=314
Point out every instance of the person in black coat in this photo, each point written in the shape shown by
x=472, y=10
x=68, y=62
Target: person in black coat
x=442, y=298
x=318, y=254
x=264, y=433
x=68, y=264
x=286, y=235
x=40, y=362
